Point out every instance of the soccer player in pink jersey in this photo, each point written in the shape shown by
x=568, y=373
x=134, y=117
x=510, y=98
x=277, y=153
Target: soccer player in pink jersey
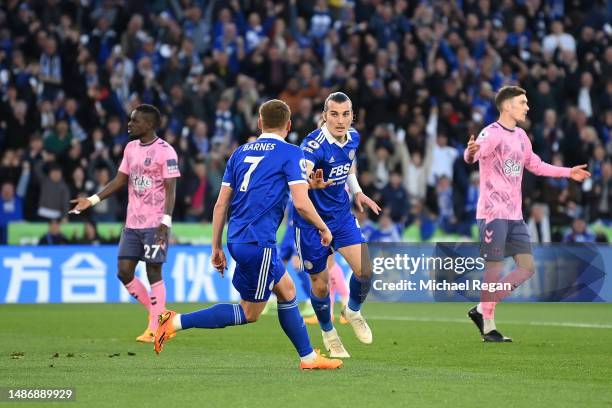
x=150, y=168
x=503, y=149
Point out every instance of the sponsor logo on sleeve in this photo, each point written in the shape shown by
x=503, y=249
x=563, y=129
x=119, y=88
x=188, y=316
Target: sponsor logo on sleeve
x=172, y=166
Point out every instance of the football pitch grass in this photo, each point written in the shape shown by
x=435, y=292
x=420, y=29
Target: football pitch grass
x=422, y=355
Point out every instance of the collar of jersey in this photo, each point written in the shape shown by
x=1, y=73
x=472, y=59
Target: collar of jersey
x=332, y=139
x=150, y=143
x=271, y=136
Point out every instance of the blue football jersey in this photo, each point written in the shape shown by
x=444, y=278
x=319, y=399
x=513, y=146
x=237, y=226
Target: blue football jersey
x=324, y=152
x=260, y=174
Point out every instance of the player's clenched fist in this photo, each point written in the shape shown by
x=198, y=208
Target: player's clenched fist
x=326, y=237
x=472, y=148
x=218, y=260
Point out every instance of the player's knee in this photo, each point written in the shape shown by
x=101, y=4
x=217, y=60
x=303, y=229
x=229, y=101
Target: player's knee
x=320, y=287
x=530, y=268
x=286, y=294
x=154, y=275
x=125, y=275
x=251, y=315
x=365, y=272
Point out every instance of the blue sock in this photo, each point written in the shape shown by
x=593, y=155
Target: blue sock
x=305, y=281
x=358, y=291
x=215, y=317
x=293, y=325
x=322, y=309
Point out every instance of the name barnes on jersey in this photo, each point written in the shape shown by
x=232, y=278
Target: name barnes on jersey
x=260, y=147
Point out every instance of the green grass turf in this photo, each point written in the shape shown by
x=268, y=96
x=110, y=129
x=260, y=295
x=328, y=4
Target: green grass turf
x=422, y=355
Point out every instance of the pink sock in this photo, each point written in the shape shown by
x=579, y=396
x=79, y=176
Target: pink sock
x=158, y=303
x=488, y=310
x=336, y=280
x=139, y=292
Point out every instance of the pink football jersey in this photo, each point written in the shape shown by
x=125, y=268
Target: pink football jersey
x=146, y=167
x=502, y=156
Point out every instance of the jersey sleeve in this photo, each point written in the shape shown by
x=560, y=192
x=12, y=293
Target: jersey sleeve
x=228, y=175
x=488, y=141
x=170, y=167
x=124, y=167
x=534, y=164
x=312, y=151
x=295, y=167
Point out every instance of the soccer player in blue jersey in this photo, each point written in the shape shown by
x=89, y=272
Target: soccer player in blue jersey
x=256, y=183
x=330, y=156
x=287, y=252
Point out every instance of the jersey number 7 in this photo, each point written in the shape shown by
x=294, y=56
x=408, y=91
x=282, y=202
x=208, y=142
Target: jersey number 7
x=254, y=161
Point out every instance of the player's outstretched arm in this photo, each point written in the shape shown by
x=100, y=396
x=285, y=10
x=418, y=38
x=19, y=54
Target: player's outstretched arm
x=111, y=188
x=218, y=260
x=534, y=164
x=303, y=205
x=360, y=198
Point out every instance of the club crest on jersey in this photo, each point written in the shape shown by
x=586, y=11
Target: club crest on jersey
x=352, y=154
x=147, y=162
x=512, y=168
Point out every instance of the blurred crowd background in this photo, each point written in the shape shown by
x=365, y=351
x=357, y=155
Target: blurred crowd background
x=422, y=76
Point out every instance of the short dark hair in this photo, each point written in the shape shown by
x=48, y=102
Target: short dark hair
x=507, y=92
x=338, y=97
x=274, y=114
x=151, y=111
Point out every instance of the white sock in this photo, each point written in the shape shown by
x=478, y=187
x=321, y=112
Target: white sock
x=351, y=313
x=489, y=325
x=309, y=358
x=176, y=322
x=479, y=308
x=331, y=333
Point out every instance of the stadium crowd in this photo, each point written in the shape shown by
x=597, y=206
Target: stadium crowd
x=422, y=77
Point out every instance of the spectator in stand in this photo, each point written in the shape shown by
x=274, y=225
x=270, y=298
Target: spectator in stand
x=53, y=236
x=54, y=192
x=579, y=232
x=11, y=202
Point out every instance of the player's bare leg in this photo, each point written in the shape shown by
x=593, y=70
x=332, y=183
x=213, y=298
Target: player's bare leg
x=358, y=259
